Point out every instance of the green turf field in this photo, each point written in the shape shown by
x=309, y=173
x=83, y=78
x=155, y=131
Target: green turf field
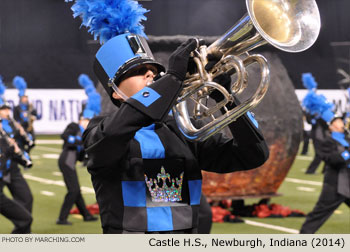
x=48, y=193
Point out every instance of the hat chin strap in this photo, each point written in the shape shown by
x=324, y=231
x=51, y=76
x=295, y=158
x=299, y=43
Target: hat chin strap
x=119, y=92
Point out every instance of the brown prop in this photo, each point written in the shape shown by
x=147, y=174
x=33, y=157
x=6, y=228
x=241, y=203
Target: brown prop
x=262, y=182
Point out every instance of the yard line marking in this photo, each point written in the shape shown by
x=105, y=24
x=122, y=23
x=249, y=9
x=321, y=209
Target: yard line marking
x=51, y=156
x=44, y=181
x=306, y=189
x=83, y=189
x=87, y=189
x=48, y=149
x=57, y=173
x=304, y=157
x=47, y=141
x=279, y=228
x=34, y=157
x=301, y=181
x=47, y=193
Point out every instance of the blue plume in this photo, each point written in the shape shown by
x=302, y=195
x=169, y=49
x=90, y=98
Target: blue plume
x=108, y=18
x=309, y=81
x=328, y=115
x=19, y=83
x=88, y=114
x=94, y=103
x=86, y=83
x=2, y=87
x=316, y=104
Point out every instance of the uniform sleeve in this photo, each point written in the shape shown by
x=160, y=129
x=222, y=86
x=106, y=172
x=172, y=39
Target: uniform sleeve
x=2, y=164
x=2, y=173
x=308, y=118
x=70, y=137
x=246, y=150
x=8, y=152
x=17, y=135
x=17, y=114
x=106, y=140
x=330, y=153
x=320, y=133
x=34, y=112
x=157, y=99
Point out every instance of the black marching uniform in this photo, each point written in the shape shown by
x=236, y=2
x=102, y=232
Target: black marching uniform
x=336, y=184
x=318, y=131
x=22, y=114
x=71, y=153
x=146, y=175
x=18, y=186
x=306, y=134
x=11, y=209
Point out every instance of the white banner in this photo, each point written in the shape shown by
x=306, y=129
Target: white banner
x=56, y=108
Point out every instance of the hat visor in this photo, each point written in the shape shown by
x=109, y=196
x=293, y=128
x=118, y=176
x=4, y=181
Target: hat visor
x=5, y=107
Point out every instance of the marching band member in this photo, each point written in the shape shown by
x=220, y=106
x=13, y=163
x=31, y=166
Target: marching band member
x=307, y=126
x=24, y=113
x=318, y=113
x=146, y=175
x=333, y=148
x=11, y=209
x=18, y=186
x=336, y=183
x=15, y=210
x=73, y=151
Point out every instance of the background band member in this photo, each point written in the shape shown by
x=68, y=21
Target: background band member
x=306, y=133
x=73, y=151
x=317, y=134
x=11, y=209
x=18, y=187
x=336, y=184
x=318, y=112
x=24, y=113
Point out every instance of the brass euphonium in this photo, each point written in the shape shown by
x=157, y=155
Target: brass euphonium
x=289, y=25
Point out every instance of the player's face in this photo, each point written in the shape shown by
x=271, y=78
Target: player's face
x=5, y=113
x=133, y=84
x=24, y=99
x=84, y=123
x=337, y=126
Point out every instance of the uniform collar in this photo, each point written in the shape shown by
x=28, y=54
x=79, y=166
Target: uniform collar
x=81, y=129
x=340, y=138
